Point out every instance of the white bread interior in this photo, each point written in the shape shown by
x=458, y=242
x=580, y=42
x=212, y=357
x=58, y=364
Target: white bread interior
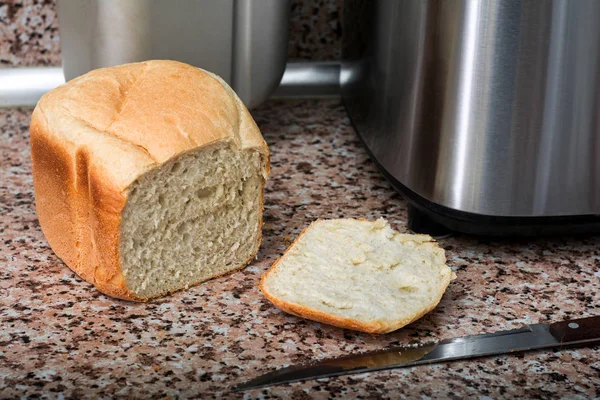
x=359, y=275
x=192, y=219
x=148, y=177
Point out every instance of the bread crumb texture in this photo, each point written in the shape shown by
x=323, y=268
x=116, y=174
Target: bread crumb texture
x=359, y=274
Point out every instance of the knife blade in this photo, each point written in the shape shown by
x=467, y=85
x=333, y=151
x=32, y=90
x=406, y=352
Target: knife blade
x=531, y=337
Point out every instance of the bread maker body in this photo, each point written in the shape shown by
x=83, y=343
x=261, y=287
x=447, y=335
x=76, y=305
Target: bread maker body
x=484, y=113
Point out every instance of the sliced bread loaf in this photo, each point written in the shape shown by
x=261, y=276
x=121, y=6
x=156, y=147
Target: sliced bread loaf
x=359, y=275
x=148, y=177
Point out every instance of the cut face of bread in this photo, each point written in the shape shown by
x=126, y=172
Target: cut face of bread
x=359, y=275
x=191, y=219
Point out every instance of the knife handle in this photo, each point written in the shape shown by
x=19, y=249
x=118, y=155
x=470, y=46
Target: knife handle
x=576, y=330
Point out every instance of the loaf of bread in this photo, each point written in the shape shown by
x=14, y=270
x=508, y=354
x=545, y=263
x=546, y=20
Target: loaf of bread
x=359, y=275
x=148, y=177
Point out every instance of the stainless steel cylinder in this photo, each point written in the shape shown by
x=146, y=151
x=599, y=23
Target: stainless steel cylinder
x=489, y=107
x=243, y=41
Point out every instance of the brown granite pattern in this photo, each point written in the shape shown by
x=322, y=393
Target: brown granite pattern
x=315, y=31
x=60, y=337
x=29, y=32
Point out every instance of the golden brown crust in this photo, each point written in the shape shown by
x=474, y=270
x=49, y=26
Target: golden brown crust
x=92, y=137
x=375, y=328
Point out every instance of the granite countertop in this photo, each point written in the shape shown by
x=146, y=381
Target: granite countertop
x=60, y=337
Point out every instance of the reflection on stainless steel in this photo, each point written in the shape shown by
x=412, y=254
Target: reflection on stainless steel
x=580, y=331
x=395, y=356
x=25, y=86
x=260, y=48
x=243, y=41
x=483, y=106
x=309, y=79
x=357, y=363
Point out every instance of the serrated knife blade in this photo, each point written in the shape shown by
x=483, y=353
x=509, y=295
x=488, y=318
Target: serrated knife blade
x=531, y=337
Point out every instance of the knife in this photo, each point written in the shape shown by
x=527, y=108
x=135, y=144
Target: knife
x=531, y=337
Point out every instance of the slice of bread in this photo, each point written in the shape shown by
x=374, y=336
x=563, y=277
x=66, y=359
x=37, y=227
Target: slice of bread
x=148, y=177
x=359, y=275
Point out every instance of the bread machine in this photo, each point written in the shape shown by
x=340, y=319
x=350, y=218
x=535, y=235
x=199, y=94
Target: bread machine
x=484, y=113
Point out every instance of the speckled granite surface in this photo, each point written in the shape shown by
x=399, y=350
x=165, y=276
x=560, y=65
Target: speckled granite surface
x=315, y=31
x=29, y=32
x=60, y=337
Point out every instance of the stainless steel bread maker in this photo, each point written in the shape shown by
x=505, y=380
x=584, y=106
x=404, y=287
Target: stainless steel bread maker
x=484, y=113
